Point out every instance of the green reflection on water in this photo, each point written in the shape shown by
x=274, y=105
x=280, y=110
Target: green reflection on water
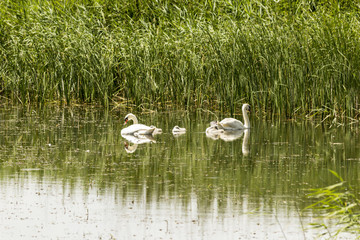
x=84, y=145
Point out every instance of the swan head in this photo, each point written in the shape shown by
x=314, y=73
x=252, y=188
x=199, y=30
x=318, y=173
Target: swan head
x=246, y=107
x=130, y=116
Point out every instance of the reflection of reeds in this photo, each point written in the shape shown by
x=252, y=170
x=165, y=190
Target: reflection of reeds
x=86, y=147
x=189, y=54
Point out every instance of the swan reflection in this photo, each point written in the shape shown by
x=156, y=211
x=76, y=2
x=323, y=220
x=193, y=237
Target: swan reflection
x=215, y=133
x=245, y=145
x=133, y=141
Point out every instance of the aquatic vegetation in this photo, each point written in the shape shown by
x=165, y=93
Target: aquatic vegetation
x=282, y=58
x=340, y=202
x=79, y=151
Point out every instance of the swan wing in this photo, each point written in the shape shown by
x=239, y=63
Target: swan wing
x=231, y=124
x=138, y=129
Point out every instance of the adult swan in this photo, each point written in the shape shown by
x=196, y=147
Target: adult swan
x=137, y=129
x=234, y=124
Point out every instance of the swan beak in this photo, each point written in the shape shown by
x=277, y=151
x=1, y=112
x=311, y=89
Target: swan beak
x=126, y=120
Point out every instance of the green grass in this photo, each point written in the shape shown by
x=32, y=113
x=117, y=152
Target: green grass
x=283, y=58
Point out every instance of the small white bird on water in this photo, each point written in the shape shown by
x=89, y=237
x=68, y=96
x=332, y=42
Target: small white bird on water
x=178, y=129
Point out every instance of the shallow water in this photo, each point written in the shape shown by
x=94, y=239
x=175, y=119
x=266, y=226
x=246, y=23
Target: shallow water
x=69, y=174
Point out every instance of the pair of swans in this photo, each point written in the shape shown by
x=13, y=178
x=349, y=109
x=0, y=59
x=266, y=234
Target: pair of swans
x=229, y=129
x=227, y=124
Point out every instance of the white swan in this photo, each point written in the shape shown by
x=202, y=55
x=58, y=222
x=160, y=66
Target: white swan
x=177, y=131
x=137, y=129
x=234, y=124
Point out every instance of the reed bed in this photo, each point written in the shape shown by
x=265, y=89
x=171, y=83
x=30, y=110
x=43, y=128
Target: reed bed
x=283, y=58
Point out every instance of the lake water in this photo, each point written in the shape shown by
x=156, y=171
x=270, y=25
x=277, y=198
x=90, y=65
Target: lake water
x=69, y=174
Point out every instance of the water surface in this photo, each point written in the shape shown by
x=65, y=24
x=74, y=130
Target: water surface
x=69, y=174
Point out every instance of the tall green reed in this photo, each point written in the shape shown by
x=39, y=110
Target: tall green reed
x=284, y=59
x=58, y=57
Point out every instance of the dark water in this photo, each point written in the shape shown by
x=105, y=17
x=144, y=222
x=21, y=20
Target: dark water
x=69, y=174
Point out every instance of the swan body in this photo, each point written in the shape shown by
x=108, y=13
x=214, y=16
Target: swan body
x=178, y=129
x=234, y=124
x=137, y=129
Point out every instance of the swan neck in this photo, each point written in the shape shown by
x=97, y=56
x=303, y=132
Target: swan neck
x=246, y=119
x=133, y=117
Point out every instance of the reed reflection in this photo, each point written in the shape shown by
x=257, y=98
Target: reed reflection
x=86, y=155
